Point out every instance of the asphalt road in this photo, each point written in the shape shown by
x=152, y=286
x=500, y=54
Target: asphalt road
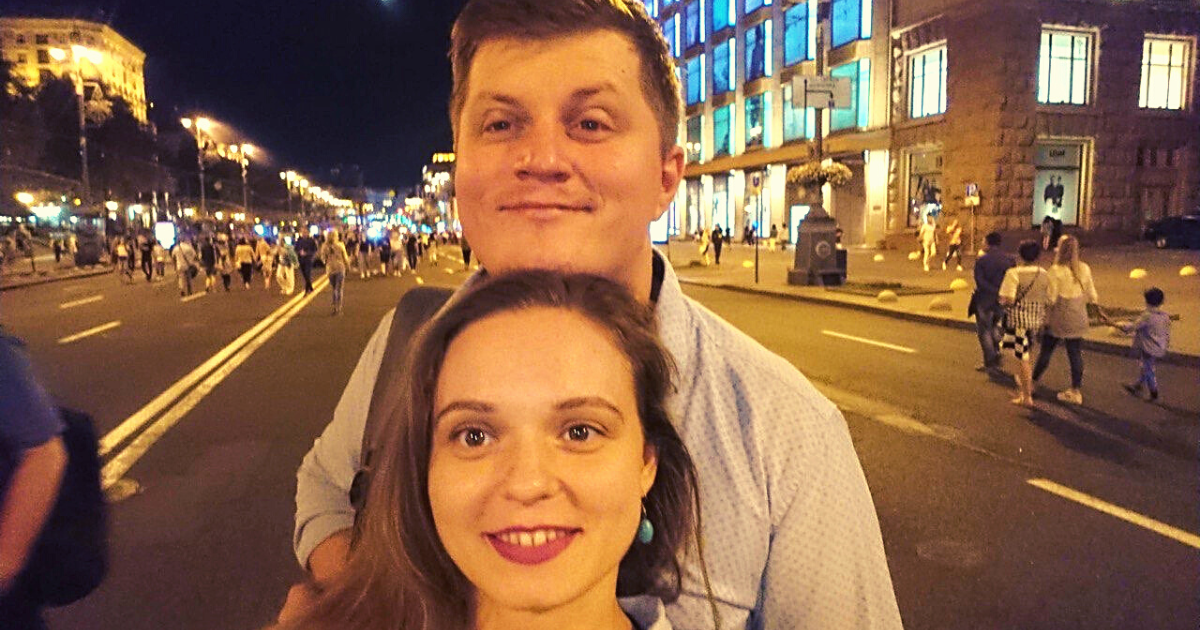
x=204, y=541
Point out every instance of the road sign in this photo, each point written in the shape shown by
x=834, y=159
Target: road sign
x=821, y=92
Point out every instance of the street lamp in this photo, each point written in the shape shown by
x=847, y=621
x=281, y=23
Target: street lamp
x=95, y=57
x=244, y=150
x=198, y=126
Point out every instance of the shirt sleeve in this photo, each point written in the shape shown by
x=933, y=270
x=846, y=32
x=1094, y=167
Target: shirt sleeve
x=27, y=416
x=1008, y=286
x=324, y=478
x=827, y=566
x=1089, y=284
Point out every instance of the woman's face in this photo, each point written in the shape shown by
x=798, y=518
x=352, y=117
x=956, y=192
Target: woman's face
x=538, y=461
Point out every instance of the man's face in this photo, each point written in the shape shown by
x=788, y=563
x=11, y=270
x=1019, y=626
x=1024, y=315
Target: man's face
x=559, y=160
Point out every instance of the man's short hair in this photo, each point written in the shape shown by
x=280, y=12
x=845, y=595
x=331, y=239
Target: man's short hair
x=483, y=20
x=994, y=239
x=1029, y=251
x=1154, y=296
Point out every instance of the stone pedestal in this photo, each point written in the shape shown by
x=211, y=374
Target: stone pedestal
x=816, y=251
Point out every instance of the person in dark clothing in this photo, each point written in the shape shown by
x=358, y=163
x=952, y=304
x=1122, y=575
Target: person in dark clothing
x=146, y=249
x=306, y=250
x=385, y=255
x=718, y=241
x=989, y=273
x=411, y=249
x=208, y=260
x=58, y=250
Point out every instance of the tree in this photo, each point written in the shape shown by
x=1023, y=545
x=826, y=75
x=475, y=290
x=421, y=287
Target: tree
x=123, y=156
x=59, y=108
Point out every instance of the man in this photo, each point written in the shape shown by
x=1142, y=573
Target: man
x=185, y=260
x=32, y=460
x=208, y=258
x=718, y=240
x=989, y=273
x=564, y=117
x=306, y=250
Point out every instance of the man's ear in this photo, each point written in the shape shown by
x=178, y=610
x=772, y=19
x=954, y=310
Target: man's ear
x=671, y=174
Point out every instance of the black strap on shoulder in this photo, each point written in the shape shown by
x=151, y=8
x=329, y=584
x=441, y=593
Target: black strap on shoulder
x=416, y=307
x=657, y=271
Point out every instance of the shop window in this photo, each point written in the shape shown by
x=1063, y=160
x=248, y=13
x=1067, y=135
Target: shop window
x=849, y=20
x=695, y=79
x=858, y=114
x=723, y=130
x=758, y=51
x=724, y=55
x=1064, y=68
x=1164, y=69
x=758, y=120
x=927, y=83
x=924, y=186
x=1058, y=168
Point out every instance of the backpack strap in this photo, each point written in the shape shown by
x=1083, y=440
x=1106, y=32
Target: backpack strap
x=415, y=308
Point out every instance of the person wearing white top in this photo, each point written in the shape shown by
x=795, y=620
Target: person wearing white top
x=1024, y=293
x=1071, y=290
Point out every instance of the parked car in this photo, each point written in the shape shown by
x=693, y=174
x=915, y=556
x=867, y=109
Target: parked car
x=1180, y=231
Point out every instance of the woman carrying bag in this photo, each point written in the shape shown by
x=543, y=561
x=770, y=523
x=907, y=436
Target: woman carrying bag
x=1024, y=294
x=1071, y=291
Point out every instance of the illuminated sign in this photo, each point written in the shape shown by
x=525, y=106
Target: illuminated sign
x=164, y=233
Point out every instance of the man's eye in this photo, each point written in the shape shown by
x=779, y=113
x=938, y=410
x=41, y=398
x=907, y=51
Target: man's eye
x=499, y=125
x=591, y=124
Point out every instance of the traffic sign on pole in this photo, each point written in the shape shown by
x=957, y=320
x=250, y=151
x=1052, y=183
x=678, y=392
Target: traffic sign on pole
x=821, y=92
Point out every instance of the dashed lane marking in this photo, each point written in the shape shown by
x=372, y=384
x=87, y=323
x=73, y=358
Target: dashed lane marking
x=195, y=296
x=1145, y=522
x=81, y=302
x=96, y=330
x=870, y=342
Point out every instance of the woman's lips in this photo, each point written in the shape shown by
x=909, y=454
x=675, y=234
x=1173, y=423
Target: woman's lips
x=531, y=547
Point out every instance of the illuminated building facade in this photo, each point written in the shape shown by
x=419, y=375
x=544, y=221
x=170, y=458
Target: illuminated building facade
x=36, y=47
x=1021, y=98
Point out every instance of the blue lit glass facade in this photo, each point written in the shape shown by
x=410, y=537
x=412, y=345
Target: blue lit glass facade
x=798, y=122
x=858, y=114
x=849, y=20
x=652, y=8
x=758, y=120
x=723, y=15
x=758, y=51
x=754, y=5
x=723, y=66
x=723, y=131
x=796, y=35
x=693, y=23
x=671, y=32
x=695, y=80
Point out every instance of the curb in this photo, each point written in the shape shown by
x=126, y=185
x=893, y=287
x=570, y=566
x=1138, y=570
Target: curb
x=1173, y=358
x=49, y=279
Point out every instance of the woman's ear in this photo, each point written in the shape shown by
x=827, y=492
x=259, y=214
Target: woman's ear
x=649, y=467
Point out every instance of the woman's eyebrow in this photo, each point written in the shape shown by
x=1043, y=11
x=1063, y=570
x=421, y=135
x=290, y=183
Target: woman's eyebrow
x=465, y=405
x=587, y=401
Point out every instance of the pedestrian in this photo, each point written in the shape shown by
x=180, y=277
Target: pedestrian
x=265, y=252
x=953, y=244
x=1071, y=291
x=208, y=259
x=123, y=254
x=704, y=246
x=985, y=301
x=58, y=249
x=1151, y=338
x=385, y=255
x=306, y=250
x=364, y=257
x=785, y=499
x=288, y=262
x=336, y=259
x=466, y=251
x=927, y=236
x=160, y=260
x=1051, y=232
x=146, y=248
x=773, y=237
x=225, y=267
x=718, y=239
x=514, y=346
x=243, y=257
x=1024, y=293
x=72, y=247
x=33, y=458
x=396, y=244
x=185, y=265
x=411, y=250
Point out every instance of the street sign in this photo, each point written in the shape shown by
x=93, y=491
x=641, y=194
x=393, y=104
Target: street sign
x=821, y=92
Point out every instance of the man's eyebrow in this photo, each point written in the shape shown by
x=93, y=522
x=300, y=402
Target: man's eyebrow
x=501, y=98
x=585, y=93
x=464, y=405
x=587, y=401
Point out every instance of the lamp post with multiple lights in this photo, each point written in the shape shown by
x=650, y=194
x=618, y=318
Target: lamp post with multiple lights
x=199, y=127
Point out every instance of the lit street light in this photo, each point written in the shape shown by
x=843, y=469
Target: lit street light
x=198, y=126
x=245, y=151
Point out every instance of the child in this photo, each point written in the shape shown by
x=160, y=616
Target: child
x=1151, y=336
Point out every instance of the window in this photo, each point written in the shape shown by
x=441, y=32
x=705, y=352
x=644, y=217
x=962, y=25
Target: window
x=724, y=55
x=758, y=51
x=722, y=14
x=723, y=131
x=799, y=33
x=671, y=34
x=754, y=5
x=693, y=24
x=41, y=40
x=927, y=83
x=1164, y=64
x=74, y=37
x=849, y=20
x=20, y=38
x=22, y=58
x=652, y=8
x=798, y=122
x=43, y=56
x=1064, y=68
x=695, y=80
x=667, y=3
x=858, y=114
x=758, y=117
x=695, y=143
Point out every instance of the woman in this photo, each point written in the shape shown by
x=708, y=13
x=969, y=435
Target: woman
x=1024, y=293
x=265, y=253
x=1071, y=290
x=243, y=257
x=288, y=261
x=336, y=259
x=531, y=475
x=927, y=235
x=953, y=244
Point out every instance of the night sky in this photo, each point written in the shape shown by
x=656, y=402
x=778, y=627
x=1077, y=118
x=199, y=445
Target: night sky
x=315, y=83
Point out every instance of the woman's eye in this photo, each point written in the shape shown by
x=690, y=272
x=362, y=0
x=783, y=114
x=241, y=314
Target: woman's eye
x=473, y=437
x=579, y=433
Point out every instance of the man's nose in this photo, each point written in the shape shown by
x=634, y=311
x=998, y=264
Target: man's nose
x=541, y=154
x=530, y=472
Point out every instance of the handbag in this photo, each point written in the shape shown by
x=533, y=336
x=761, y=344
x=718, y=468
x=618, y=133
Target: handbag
x=972, y=306
x=1012, y=311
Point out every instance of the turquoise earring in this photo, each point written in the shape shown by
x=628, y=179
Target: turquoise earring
x=645, y=532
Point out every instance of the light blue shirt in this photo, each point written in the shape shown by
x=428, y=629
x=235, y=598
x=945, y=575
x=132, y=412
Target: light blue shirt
x=791, y=538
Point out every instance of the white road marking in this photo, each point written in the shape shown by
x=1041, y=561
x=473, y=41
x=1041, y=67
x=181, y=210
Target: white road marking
x=124, y=460
x=195, y=296
x=89, y=332
x=135, y=422
x=870, y=342
x=81, y=302
x=1174, y=533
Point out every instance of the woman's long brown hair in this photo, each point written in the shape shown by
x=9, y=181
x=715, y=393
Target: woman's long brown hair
x=399, y=576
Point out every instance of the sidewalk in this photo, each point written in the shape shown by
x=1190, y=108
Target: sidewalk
x=928, y=297
x=18, y=273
